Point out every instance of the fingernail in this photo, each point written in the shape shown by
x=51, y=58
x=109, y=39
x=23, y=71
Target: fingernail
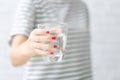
x=54, y=46
x=47, y=32
x=53, y=37
x=51, y=53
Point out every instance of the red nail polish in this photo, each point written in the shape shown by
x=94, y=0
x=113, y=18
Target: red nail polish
x=51, y=53
x=53, y=38
x=47, y=32
x=55, y=46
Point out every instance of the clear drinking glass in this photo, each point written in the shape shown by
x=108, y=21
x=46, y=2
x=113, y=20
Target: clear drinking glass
x=61, y=39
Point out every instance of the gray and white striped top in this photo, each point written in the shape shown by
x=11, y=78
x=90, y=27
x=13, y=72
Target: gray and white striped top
x=76, y=64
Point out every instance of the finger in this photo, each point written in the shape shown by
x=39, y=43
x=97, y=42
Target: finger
x=43, y=46
x=40, y=32
x=43, y=38
x=44, y=53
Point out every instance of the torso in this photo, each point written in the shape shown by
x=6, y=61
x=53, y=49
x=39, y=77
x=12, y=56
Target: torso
x=76, y=63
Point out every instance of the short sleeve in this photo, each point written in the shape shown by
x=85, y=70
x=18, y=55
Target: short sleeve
x=24, y=19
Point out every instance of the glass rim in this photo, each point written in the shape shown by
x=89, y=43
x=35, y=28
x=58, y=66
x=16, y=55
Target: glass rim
x=47, y=23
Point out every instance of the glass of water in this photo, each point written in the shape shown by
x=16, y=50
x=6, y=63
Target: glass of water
x=61, y=39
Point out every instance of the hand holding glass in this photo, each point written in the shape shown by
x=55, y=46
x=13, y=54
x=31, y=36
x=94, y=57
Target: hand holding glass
x=59, y=31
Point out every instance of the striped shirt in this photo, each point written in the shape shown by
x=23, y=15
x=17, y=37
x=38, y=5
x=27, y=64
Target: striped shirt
x=76, y=64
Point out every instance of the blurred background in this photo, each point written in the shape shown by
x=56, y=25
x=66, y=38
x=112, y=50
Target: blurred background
x=105, y=39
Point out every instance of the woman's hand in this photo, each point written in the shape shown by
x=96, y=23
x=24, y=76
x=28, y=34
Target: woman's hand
x=23, y=48
x=37, y=39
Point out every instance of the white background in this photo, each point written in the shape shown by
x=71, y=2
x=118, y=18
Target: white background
x=105, y=39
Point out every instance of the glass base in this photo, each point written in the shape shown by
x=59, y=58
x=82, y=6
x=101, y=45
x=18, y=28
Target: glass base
x=58, y=58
